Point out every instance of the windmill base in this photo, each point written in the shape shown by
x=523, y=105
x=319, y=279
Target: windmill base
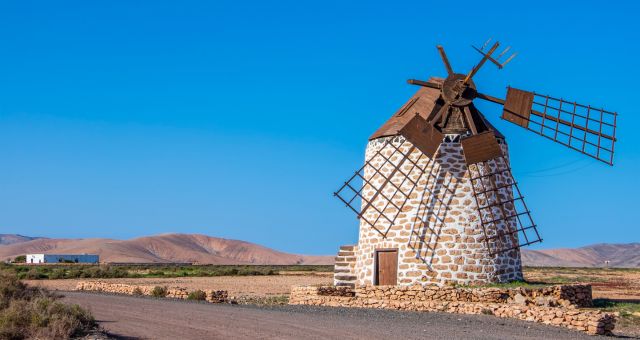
x=437, y=237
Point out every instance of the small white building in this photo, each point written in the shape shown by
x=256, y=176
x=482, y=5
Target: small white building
x=62, y=258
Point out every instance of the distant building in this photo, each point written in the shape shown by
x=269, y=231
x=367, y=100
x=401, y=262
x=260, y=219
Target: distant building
x=62, y=258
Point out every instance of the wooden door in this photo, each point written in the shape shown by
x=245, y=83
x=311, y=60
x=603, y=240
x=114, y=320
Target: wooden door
x=387, y=267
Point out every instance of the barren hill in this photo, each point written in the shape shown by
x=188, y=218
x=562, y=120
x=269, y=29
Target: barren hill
x=212, y=250
x=618, y=255
x=164, y=248
x=15, y=238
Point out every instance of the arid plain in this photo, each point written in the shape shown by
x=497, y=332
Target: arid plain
x=618, y=284
x=614, y=289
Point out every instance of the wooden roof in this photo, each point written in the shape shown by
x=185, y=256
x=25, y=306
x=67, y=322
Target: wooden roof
x=422, y=103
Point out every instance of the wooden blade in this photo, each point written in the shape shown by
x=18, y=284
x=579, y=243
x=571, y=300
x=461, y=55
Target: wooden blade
x=423, y=135
x=583, y=128
x=481, y=147
x=445, y=60
x=504, y=216
x=424, y=84
x=379, y=191
x=486, y=56
x=470, y=123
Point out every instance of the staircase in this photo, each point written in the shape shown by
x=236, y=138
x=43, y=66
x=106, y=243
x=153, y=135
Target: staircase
x=344, y=272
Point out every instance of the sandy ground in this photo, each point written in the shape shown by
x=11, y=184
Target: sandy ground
x=129, y=317
x=615, y=284
x=611, y=284
x=235, y=285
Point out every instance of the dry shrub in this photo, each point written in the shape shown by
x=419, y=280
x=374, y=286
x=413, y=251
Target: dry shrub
x=27, y=312
x=159, y=291
x=197, y=295
x=487, y=311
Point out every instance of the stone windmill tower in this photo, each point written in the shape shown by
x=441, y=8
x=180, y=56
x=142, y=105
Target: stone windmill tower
x=436, y=199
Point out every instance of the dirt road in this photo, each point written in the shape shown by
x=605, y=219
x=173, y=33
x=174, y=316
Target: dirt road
x=147, y=318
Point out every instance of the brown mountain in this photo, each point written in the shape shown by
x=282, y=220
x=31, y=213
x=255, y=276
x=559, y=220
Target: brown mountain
x=211, y=250
x=618, y=255
x=14, y=238
x=164, y=248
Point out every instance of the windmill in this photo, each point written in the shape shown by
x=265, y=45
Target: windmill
x=436, y=198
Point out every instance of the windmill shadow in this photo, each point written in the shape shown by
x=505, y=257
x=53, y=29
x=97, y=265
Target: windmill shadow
x=431, y=214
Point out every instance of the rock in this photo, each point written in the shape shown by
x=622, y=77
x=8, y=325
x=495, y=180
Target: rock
x=542, y=301
x=519, y=299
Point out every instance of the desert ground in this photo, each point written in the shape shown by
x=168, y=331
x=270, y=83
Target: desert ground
x=618, y=284
x=262, y=285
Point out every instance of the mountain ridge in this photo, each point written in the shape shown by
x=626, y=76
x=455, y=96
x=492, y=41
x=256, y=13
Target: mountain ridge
x=164, y=248
x=198, y=248
x=621, y=255
x=6, y=239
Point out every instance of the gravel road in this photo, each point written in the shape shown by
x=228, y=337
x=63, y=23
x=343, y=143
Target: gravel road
x=131, y=317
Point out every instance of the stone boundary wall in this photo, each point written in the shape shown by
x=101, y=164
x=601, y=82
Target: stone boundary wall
x=550, y=296
x=213, y=296
x=557, y=308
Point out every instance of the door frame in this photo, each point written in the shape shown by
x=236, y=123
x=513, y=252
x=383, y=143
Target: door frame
x=376, y=279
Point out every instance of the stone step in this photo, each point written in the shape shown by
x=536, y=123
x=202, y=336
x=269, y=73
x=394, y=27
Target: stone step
x=341, y=264
x=345, y=277
x=346, y=284
x=342, y=270
x=345, y=259
x=347, y=248
x=346, y=253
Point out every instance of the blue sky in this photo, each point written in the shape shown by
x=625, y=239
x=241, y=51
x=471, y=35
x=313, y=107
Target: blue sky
x=239, y=119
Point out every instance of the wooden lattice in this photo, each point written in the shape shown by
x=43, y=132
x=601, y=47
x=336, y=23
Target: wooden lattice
x=381, y=195
x=504, y=216
x=583, y=128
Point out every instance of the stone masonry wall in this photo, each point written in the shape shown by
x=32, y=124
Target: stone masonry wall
x=438, y=233
x=344, y=273
x=214, y=296
x=557, y=305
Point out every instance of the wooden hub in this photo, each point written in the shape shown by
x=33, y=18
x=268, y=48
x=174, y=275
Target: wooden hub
x=456, y=93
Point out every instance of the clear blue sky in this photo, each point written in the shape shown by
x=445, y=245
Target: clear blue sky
x=239, y=119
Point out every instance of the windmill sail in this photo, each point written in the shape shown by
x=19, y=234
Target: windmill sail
x=505, y=219
x=583, y=128
x=379, y=191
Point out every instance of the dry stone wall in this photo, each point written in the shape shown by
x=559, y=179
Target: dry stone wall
x=557, y=305
x=438, y=233
x=213, y=296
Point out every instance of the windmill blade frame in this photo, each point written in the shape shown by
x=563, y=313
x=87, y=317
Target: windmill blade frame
x=392, y=193
x=499, y=201
x=583, y=128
